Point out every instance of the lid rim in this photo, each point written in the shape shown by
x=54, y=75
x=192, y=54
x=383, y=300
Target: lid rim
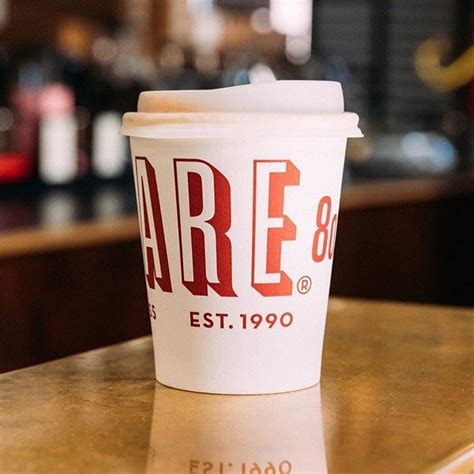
x=207, y=125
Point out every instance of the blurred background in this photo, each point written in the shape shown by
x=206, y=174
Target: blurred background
x=69, y=69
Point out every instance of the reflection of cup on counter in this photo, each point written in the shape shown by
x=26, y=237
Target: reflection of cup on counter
x=268, y=434
x=238, y=195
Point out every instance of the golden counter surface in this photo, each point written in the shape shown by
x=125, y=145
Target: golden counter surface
x=396, y=396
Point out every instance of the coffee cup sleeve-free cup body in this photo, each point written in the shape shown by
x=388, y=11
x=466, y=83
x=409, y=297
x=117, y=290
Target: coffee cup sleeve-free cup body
x=238, y=197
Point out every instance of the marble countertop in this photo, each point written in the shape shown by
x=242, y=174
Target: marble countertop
x=395, y=396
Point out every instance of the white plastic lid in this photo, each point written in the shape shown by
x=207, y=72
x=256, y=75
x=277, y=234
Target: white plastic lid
x=281, y=108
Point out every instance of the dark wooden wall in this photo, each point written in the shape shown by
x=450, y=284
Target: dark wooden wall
x=420, y=252
x=59, y=303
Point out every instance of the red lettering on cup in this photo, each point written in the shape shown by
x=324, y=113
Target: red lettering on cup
x=204, y=217
x=153, y=239
x=270, y=226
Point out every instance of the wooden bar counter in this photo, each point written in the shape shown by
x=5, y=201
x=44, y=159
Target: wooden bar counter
x=395, y=396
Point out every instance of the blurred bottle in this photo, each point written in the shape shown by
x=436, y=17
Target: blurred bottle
x=109, y=150
x=45, y=126
x=18, y=131
x=6, y=119
x=66, y=116
x=12, y=166
x=58, y=157
x=121, y=72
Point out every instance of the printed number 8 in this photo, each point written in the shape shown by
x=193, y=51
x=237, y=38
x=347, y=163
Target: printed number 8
x=323, y=218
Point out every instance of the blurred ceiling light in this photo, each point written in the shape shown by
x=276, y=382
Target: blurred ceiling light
x=291, y=17
x=4, y=11
x=171, y=56
x=260, y=21
x=104, y=50
x=206, y=32
x=260, y=73
x=199, y=7
x=428, y=65
x=73, y=36
x=298, y=49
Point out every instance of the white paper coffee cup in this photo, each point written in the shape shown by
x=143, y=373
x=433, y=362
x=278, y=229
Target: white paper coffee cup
x=238, y=195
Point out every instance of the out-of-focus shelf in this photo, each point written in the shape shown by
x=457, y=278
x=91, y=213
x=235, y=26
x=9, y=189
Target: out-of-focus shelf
x=60, y=220
x=403, y=191
x=81, y=234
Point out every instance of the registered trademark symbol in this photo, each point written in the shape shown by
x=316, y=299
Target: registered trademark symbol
x=304, y=285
